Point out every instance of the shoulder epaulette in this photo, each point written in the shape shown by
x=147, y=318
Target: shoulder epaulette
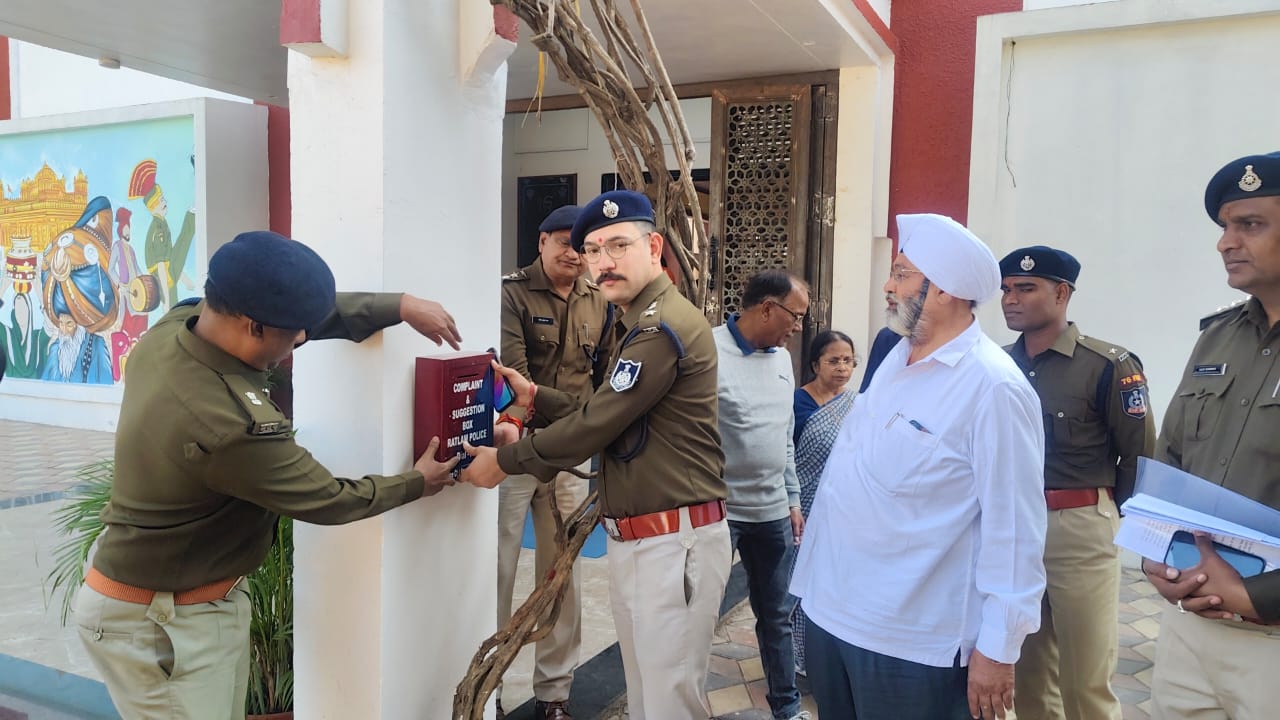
x=1219, y=314
x=1114, y=353
x=516, y=275
x=591, y=283
x=265, y=417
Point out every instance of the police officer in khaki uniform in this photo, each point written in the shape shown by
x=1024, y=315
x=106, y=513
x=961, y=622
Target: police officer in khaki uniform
x=1223, y=425
x=205, y=463
x=553, y=318
x=660, y=485
x=1097, y=424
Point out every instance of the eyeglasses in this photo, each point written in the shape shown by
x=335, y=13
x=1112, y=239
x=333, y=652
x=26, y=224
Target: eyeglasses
x=796, y=318
x=900, y=274
x=838, y=361
x=616, y=247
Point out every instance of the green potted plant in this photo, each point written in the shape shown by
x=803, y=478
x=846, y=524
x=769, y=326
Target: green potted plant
x=270, y=589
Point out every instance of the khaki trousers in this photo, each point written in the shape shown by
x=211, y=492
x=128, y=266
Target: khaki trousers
x=556, y=655
x=666, y=593
x=1066, y=666
x=166, y=660
x=1214, y=670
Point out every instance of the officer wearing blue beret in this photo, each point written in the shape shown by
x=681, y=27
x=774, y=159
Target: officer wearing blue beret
x=655, y=421
x=205, y=463
x=554, y=333
x=1097, y=423
x=1217, y=653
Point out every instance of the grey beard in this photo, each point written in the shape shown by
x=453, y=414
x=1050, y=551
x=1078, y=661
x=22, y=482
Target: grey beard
x=905, y=320
x=69, y=351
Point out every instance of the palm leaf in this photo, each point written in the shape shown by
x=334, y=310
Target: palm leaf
x=80, y=521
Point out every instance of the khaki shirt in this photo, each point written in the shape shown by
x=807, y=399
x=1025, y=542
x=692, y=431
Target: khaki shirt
x=655, y=419
x=205, y=462
x=1097, y=417
x=1223, y=424
x=550, y=340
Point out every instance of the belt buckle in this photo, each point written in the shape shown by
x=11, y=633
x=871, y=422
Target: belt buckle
x=610, y=526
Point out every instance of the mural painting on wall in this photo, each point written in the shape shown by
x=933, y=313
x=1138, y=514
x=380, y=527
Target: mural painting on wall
x=78, y=288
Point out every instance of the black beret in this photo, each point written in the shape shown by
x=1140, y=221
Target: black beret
x=607, y=209
x=562, y=218
x=1251, y=176
x=1041, y=261
x=274, y=280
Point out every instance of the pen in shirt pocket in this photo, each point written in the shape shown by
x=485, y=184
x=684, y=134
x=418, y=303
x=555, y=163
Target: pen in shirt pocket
x=916, y=424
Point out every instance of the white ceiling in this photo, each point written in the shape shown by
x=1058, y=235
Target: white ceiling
x=228, y=45
x=233, y=45
x=702, y=40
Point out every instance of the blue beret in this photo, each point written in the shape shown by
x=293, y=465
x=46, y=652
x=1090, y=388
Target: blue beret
x=607, y=209
x=1251, y=176
x=276, y=281
x=1041, y=261
x=562, y=218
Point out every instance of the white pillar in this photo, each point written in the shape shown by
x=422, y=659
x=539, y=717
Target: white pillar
x=396, y=172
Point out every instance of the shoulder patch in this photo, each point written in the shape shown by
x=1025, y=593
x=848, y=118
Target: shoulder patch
x=1134, y=401
x=1220, y=314
x=265, y=417
x=625, y=374
x=517, y=275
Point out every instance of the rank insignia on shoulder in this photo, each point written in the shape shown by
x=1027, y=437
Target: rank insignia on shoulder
x=625, y=374
x=266, y=428
x=253, y=398
x=516, y=275
x=1135, y=402
x=651, y=310
x=1209, y=370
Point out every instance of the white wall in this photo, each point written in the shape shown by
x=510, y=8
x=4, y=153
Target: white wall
x=48, y=82
x=1112, y=134
x=571, y=141
x=862, y=248
x=396, y=171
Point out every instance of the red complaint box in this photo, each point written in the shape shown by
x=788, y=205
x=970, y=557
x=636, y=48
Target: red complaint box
x=452, y=400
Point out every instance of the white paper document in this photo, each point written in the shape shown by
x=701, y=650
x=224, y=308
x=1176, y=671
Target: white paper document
x=1149, y=524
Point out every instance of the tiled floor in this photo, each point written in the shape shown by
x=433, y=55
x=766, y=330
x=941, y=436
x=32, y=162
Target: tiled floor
x=38, y=463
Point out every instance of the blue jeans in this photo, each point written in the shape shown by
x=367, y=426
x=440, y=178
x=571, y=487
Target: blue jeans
x=766, y=550
x=850, y=682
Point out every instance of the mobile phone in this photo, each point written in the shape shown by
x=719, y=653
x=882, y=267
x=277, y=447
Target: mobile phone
x=1184, y=554
x=503, y=395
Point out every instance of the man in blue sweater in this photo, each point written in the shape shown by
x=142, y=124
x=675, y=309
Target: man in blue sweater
x=755, y=388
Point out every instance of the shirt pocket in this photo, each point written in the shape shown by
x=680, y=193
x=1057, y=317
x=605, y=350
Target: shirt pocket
x=899, y=454
x=1073, y=432
x=1204, y=398
x=588, y=339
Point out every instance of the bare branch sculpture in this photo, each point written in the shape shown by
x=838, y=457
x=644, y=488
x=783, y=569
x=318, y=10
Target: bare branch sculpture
x=602, y=75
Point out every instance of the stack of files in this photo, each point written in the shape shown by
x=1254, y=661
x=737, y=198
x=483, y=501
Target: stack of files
x=1167, y=500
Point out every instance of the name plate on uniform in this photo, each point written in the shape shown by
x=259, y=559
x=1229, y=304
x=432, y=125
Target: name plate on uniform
x=452, y=400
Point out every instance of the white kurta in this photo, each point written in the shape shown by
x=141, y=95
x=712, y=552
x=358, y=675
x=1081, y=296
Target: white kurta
x=927, y=533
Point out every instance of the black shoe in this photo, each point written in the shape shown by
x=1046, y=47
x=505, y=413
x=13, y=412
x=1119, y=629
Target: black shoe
x=553, y=710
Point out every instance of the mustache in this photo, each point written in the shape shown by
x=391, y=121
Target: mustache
x=609, y=276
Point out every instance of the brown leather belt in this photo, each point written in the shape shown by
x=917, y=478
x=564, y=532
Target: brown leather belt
x=130, y=594
x=1073, y=498
x=663, y=522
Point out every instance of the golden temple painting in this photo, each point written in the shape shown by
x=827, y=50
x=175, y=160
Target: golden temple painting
x=78, y=288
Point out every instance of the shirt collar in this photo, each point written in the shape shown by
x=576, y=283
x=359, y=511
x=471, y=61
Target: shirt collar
x=1065, y=344
x=212, y=356
x=955, y=349
x=538, y=279
x=743, y=343
x=647, y=297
